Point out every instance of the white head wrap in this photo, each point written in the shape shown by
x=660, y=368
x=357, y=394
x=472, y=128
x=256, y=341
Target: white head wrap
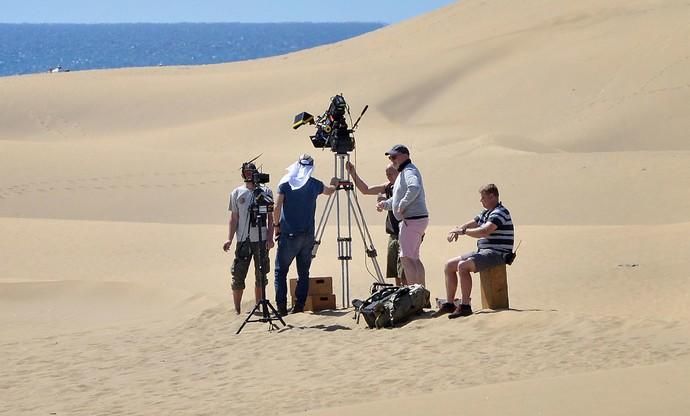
x=299, y=172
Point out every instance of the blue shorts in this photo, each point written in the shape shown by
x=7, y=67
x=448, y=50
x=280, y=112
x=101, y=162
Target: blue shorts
x=484, y=259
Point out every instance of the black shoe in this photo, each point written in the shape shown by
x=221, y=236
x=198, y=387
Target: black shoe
x=462, y=310
x=444, y=309
x=297, y=309
x=282, y=310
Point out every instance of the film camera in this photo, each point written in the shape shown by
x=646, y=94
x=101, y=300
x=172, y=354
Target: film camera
x=257, y=178
x=262, y=202
x=331, y=127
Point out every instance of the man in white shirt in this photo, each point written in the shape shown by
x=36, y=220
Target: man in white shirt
x=247, y=234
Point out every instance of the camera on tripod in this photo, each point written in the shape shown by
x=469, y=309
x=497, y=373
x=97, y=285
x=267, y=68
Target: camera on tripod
x=332, y=130
x=262, y=201
x=254, y=175
x=259, y=209
x=259, y=178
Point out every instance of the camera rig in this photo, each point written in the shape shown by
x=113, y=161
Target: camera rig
x=332, y=130
x=257, y=177
x=262, y=202
x=259, y=210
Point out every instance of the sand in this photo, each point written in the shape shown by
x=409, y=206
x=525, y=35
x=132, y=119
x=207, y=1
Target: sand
x=114, y=290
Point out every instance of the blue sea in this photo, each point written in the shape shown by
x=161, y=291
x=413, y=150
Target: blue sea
x=31, y=48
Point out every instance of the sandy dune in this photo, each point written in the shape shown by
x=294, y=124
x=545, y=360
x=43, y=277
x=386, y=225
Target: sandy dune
x=113, y=207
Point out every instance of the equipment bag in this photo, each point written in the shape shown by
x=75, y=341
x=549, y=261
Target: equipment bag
x=392, y=306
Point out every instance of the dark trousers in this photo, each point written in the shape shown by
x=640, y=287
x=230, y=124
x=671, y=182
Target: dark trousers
x=291, y=247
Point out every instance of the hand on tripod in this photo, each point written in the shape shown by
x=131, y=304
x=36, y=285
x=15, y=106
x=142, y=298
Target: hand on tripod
x=350, y=168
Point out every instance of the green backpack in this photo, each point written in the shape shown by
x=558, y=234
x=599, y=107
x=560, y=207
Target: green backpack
x=393, y=305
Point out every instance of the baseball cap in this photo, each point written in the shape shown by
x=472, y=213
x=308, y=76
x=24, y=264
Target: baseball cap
x=398, y=149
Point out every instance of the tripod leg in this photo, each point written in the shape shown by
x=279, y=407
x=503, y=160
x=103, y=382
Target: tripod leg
x=366, y=236
x=248, y=318
x=322, y=222
x=345, y=241
x=260, y=257
x=275, y=313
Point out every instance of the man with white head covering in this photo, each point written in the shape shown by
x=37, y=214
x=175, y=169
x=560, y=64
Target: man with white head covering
x=293, y=217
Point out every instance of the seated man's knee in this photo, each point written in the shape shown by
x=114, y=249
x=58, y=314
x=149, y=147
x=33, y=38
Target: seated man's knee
x=466, y=266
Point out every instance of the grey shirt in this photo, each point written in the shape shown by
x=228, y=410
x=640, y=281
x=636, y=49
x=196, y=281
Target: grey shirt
x=408, y=198
x=240, y=200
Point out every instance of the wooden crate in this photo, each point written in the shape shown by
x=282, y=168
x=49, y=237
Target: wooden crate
x=318, y=302
x=317, y=286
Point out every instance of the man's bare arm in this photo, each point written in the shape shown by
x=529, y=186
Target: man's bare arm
x=234, y=221
x=232, y=228
x=331, y=187
x=465, y=226
x=459, y=230
x=277, y=210
x=361, y=185
x=483, y=231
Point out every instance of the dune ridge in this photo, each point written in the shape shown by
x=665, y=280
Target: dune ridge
x=114, y=290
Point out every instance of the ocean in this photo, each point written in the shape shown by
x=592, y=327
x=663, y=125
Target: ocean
x=32, y=48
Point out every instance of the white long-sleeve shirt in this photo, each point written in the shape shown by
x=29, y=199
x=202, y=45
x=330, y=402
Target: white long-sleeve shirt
x=408, y=198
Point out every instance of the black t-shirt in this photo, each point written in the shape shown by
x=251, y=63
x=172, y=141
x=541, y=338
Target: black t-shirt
x=392, y=223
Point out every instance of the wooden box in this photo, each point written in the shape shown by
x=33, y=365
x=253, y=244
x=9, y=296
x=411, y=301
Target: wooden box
x=317, y=286
x=318, y=302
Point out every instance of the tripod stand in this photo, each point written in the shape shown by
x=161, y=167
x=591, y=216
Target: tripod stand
x=344, y=230
x=259, y=211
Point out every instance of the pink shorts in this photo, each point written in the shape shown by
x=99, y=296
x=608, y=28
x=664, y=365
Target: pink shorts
x=411, y=233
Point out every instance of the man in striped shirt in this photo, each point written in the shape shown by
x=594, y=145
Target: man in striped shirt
x=493, y=228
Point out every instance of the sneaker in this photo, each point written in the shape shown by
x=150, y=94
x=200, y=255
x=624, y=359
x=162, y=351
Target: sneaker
x=462, y=310
x=282, y=310
x=297, y=309
x=444, y=309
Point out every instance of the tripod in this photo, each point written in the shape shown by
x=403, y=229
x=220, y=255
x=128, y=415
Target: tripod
x=344, y=239
x=259, y=212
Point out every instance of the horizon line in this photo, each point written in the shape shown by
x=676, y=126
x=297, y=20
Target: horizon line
x=201, y=23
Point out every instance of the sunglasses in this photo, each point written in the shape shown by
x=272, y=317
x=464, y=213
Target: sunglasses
x=392, y=157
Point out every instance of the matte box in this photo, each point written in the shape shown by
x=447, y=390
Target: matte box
x=317, y=286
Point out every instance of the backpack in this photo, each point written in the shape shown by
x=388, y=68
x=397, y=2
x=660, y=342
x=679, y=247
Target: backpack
x=392, y=305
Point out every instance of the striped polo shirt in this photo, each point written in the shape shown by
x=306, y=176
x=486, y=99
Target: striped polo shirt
x=503, y=238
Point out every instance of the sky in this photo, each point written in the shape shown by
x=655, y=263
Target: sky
x=159, y=11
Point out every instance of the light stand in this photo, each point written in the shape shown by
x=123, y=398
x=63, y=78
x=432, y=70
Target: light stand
x=259, y=212
x=344, y=230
